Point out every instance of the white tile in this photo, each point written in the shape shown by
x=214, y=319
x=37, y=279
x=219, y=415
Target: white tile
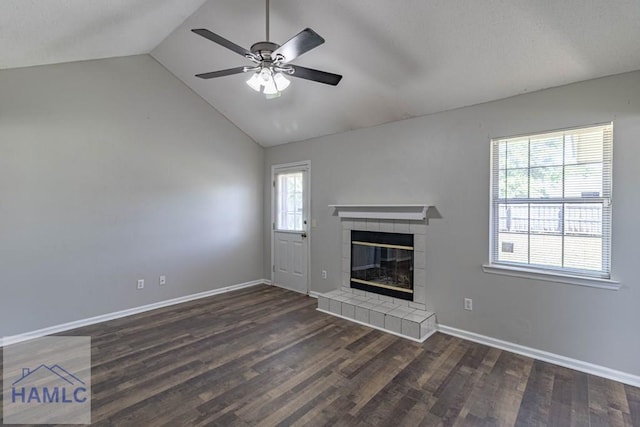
x=373, y=225
x=401, y=226
x=382, y=308
x=376, y=319
x=420, y=294
x=346, y=236
x=400, y=312
x=428, y=326
x=419, y=260
x=346, y=279
x=411, y=329
x=323, y=303
x=419, y=276
x=385, y=298
x=346, y=265
x=417, y=306
x=346, y=249
x=370, y=303
x=347, y=224
x=333, y=293
x=418, y=227
x=393, y=323
x=418, y=316
x=401, y=302
x=359, y=292
x=335, y=306
x=372, y=295
x=348, y=310
x=346, y=289
x=386, y=225
x=359, y=225
x=419, y=243
x=362, y=314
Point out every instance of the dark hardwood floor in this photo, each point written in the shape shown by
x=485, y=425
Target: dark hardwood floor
x=265, y=356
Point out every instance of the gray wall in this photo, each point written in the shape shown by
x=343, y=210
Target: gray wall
x=444, y=159
x=114, y=170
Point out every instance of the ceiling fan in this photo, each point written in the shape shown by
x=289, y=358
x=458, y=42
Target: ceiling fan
x=271, y=61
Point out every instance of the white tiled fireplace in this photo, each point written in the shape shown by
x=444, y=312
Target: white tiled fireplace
x=398, y=316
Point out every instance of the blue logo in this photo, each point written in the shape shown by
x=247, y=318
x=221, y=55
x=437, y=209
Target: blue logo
x=48, y=384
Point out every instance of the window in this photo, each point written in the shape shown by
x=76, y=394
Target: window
x=289, y=199
x=551, y=201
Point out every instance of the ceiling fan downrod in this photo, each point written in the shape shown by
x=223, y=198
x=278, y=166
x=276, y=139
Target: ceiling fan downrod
x=267, y=19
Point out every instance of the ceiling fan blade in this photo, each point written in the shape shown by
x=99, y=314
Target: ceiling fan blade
x=221, y=73
x=223, y=42
x=315, y=75
x=302, y=42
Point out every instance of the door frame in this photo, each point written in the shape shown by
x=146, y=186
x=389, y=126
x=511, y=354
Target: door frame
x=303, y=164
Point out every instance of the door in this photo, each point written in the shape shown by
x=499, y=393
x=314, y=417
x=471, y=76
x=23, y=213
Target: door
x=290, y=226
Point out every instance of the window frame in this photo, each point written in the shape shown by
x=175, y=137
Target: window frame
x=583, y=277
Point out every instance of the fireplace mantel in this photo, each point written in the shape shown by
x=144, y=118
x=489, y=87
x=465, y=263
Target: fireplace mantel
x=415, y=212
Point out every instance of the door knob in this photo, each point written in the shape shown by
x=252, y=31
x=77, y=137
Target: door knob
x=304, y=235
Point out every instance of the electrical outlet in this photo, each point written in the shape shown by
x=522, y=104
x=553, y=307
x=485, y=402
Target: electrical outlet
x=163, y=280
x=468, y=304
x=324, y=274
x=141, y=284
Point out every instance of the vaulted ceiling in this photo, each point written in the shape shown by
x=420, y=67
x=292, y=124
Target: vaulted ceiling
x=399, y=59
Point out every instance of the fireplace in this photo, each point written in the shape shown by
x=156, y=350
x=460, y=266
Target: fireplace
x=382, y=263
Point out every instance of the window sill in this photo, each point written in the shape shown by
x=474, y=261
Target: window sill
x=527, y=273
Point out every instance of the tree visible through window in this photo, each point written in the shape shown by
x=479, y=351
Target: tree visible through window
x=551, y=201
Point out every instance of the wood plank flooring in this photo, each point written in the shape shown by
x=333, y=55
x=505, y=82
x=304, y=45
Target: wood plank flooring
x=265, y=356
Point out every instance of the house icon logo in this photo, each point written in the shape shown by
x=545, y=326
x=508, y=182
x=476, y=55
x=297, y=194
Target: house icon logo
x=49, y=385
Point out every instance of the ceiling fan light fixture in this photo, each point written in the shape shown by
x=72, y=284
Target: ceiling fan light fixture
x=281, y=81
x=267, y=82
x=255, y=82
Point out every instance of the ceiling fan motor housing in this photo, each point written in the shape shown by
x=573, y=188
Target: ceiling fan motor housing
x=264, y=49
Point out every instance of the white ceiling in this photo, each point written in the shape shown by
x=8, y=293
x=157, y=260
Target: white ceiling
x=36, y=32
x=399, y=59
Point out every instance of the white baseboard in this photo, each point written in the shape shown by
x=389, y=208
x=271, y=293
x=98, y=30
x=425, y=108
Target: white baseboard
x=556, y=359
x=14, y=339
x=285, y=288
x=314, y=294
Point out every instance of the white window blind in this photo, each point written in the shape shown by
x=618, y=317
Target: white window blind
x=551, y=201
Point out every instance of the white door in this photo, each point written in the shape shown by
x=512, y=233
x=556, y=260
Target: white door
x=290, y=226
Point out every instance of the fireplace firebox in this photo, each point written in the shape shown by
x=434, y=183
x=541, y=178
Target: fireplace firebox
x=382, y=263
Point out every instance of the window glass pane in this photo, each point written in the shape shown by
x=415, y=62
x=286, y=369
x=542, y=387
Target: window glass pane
x=583, y=253
x=546, y=249
x=583, y=180
x=546, y=219
x=547, y=150
x=514, y=218
x=584, y=147
x=546, y=182
x=517, y=153
x=517, y=183
x=513, y=247
x=583, y=219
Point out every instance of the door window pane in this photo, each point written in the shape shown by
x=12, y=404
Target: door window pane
x=290, y=199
